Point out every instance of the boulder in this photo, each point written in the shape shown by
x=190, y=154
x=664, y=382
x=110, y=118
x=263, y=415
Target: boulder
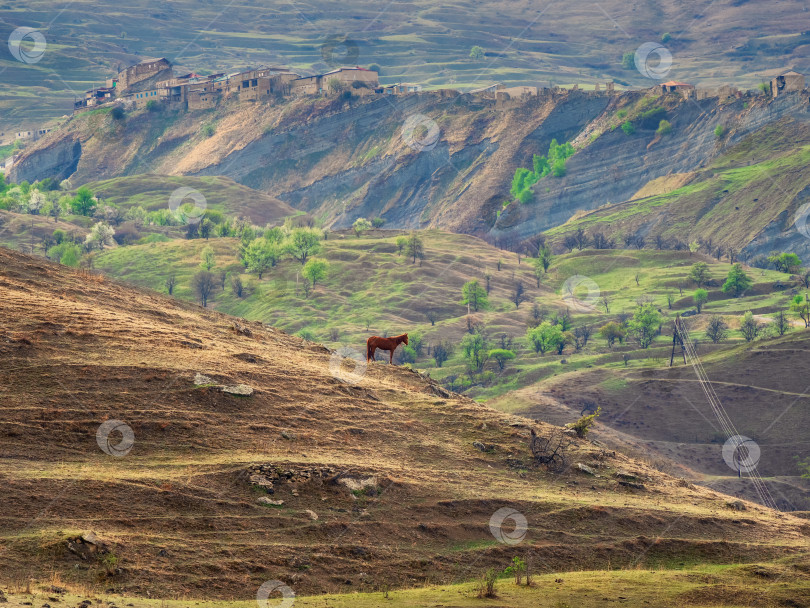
x=241, y=390
x=312, y=514
x=585, y=469
x=269, y=501
x=201, y=379
x=737, y=505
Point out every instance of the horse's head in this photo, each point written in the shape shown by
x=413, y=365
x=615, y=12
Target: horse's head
x=406, y=339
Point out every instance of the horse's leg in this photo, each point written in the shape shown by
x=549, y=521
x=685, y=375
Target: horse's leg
x=391, y=359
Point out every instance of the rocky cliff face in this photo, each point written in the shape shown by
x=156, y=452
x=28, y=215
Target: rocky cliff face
x=615, y=166
x=422, y=160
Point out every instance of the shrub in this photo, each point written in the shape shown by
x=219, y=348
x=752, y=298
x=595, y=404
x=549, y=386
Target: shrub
x=583, y=425
x=306, y=335
x=719, y=131
x=208, y=130
x=628, y=60
x=664, y=128
x=476, y=53
x=666, y=37
x=628, y=127
x=153, y=105
x=117, y=113
x=486, y=584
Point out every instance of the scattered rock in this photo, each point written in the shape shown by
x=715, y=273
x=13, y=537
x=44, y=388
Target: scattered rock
x=3, y=598
x=201, y=379
x=312, y=514
x=585, y=468
x=263, y=482
x=269, y=501
x=241, y=390
x=483, y=447
x=242, y=330
x=626, y=476
x=570, y=432
x=736, y=505
x=287, y=435
x=86, y=546
x=163, y=553
x=632, y=484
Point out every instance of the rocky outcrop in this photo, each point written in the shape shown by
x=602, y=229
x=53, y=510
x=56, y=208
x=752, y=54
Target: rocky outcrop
x=55, y=157
x=615, y=166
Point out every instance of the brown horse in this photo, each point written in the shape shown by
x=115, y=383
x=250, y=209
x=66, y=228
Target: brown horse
x=389, y=344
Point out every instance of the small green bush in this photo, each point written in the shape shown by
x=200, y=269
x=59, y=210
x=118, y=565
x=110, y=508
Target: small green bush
x=628, y=127
x=664, y=128
x=719, y=131
x=583, y=425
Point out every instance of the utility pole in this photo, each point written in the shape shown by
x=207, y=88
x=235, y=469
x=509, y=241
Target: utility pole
x=677, y=339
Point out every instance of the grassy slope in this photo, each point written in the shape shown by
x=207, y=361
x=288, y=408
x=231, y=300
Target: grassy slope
x=760, y=584
x=152, y=192
x=730, y=201
x=81, y=349
x=371, y=286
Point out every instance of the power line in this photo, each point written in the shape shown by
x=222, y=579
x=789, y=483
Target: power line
x=721, y=414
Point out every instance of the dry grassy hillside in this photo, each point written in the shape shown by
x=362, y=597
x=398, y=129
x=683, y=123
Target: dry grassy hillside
x=387, y=487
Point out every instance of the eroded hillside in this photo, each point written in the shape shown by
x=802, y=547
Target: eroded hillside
x=379, y=476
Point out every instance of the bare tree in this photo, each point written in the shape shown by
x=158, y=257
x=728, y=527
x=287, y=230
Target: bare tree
x=581, y=239
x=236, y=286
x=204, y=284
x=432, y=316
x=782, y=323
x=550, y=451
x=606, y=300
x=518, y=294
x=170, y=282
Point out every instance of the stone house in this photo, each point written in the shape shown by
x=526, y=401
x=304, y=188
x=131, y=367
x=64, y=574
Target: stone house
x=787, y=81
x=148, y=68
x=360, y=81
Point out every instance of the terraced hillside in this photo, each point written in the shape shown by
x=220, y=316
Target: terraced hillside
x=372, y=288
x=711, y=42
x=174, y=501
x=751, y=198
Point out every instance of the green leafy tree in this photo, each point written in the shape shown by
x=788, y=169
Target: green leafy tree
x=700, y=297
x=360, y=225
x=415, y=247
x=260, y=255
x=84, y=203
x=719, y=131
x=476, y=53
x=717, y=329
x=208, y=258
x=800, y=306
x=545, y=337
x=786, y=262
x=664, y=128
x=699, y=273
x=315, y=270
x=473, y=294
x=737, y=282
x=749, y=327
x=644, y=324
x=303, y=243
x=474, y=348
x=628, y=60
x=501, y=356
x=401, y=242
x=611, y=332
x=545, y=257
